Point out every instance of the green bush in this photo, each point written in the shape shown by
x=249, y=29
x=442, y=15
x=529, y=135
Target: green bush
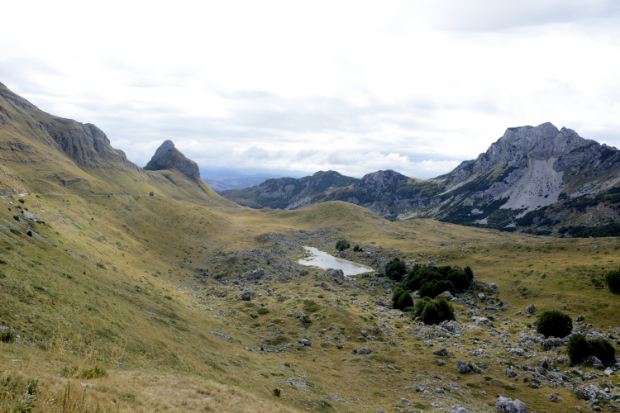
x=396, y=295
x=602, y=350
x=434, y=288
x=422, y=274
x=395, y=269
x=419, y=306
x=342, y=244
x=357, y=248
x=613, y=281
x=21, y=200
x=311, y=306
x=435, y=312
x=405, y=300
x=95, y=373
x=579, y=347
x=263, y=311
x=554, y=323
x=7, y=336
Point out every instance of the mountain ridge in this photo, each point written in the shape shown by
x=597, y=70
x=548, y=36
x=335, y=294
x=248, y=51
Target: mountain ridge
x=524, y=174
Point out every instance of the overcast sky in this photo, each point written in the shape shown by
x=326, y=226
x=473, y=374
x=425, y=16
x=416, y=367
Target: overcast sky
x=414, y=86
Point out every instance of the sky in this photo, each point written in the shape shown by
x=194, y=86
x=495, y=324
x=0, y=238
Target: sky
x=352, y=86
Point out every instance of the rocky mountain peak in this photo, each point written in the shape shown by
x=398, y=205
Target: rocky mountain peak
x=167, y=156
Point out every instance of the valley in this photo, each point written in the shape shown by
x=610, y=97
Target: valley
x=127, y=289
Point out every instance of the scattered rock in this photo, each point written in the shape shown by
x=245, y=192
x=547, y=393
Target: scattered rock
x=554, y=398
x=463, y=367
x=530, y=309
x=305, y=342
x=442, y=352
x=507, y=405
x=364, y=351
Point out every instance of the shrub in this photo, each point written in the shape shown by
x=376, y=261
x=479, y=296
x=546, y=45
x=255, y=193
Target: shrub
x=276, y=392
x=579, y=347
x=396, y=295
x=21, y=201
x=469, y=273
x=395, y=269
x=357, y=248
x=437, y=311
x=405, y=300
x=342, y=244
x=7, y=336
x=311, y=306
x=613, y=281
x=602, y=350
x=434, y=288
x=554, y=323
x=263, y=311
x=419, y=306
x=419, y=275
x=29, y=233
x=95, y=373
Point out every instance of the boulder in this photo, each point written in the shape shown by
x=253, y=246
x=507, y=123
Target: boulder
x=463, y=367
x=247, y=295
x=364, y=351
x=493, y=286
x=554, y=398
x=483, y=321
x=507, y=405
x=305, y=342
x=530, y=308
x=482, y=296
x=442, y=352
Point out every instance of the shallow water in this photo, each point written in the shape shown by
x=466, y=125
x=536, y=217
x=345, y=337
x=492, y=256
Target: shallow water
x=325, y=261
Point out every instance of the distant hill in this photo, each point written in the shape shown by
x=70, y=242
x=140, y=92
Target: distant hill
x=533, y=179
x=45, y=153
x=221, y=179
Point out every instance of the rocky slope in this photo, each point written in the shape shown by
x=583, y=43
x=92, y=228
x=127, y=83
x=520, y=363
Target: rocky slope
x=538, y=179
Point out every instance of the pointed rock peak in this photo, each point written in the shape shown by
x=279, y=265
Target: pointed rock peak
x=167, y=156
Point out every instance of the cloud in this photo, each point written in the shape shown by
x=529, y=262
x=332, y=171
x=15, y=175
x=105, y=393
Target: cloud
x=413, y=86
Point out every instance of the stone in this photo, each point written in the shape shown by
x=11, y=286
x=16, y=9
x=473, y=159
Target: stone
x=255, y=275
x=482, y=296
x=364, y=351
x=530, y=309
x=546, y=363
x=493, y=286
x=511, y=373
x=247, y=295
x=554, y=398
x=463, y=367
x=442, y=352
x=459, y=409
x=506, y=405
x=483, y=321
x=305, y=342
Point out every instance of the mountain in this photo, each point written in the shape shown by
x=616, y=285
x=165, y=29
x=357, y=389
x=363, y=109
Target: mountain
x=44, y=153
x=169, y=157
x=535, y=179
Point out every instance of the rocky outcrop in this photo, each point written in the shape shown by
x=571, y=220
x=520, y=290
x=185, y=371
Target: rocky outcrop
x=168, y=157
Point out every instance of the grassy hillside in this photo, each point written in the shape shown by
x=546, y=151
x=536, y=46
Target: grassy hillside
x=120, y=286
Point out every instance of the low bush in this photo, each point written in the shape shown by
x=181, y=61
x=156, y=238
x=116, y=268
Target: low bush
x=357, y=248
x=405, y=300
x=7, y=336
x=433, y=288
x=554, y=323
x=95, y=373
x=434, y=312
x=613, y=281
x=263, y=311
x=396, y=295
x=342, y=244
x=422, y=274
x=395, y=269
x=579, y=348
